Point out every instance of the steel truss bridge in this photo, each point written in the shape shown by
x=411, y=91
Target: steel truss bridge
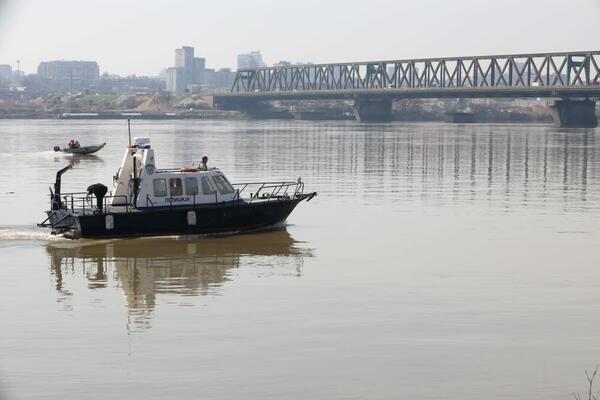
x=571, y=75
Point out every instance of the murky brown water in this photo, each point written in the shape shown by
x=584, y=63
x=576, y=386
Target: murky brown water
x=438, y=261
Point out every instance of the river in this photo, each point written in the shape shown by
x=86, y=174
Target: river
x=437, y=261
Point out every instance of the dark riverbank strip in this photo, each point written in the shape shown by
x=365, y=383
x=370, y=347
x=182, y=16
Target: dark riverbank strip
x=207, y=114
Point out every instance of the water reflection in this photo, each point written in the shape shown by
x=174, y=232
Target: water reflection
x=503, y=166
x=76, y=159
x=147, y=268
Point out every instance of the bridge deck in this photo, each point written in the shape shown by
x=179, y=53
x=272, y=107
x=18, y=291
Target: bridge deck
x=568, y=74
x=591, y=91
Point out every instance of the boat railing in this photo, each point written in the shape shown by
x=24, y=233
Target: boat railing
x=194, y=168
x=83, y=203
x=269, y=191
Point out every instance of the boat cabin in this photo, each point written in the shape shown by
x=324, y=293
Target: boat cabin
x=139, y=182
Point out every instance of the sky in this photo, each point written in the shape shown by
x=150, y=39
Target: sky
x=139, y=36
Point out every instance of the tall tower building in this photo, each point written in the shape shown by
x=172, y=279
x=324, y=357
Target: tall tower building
x=175, y=80
x=250, y=60
x=199, y=70
x=184, y=58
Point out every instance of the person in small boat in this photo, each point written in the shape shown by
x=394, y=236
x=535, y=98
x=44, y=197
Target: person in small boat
x=204, y=164
x=98, y=190
x=74, y=144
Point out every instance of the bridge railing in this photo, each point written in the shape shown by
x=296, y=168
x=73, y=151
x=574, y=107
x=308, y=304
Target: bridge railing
x=509, y=71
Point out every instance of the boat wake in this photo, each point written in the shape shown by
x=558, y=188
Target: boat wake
x=37, y=154
x=24, y=234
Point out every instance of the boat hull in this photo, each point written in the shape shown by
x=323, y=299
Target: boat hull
x=82, y=150
x=218, y=219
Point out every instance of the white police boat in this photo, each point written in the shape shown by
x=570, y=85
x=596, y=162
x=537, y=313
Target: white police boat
x=150, y=201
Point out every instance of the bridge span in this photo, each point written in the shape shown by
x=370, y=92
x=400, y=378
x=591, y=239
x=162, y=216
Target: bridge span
x=571, y=78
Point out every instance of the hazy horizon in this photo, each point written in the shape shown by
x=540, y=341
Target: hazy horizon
x=140, y=37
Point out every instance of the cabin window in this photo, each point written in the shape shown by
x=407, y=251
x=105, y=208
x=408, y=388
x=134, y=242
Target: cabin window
x=207, y=186
x=223, y=185
x=191, y=186
x=160, y=188
x=175, y=187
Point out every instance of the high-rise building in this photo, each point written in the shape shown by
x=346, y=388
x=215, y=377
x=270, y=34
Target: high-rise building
x=250, y=60
x=5, y=72
x=184, y=58
x=190, y=74
x=69, y=70
x=176, y=80
x=199, y=70
x=188, y=70
x=224, y=78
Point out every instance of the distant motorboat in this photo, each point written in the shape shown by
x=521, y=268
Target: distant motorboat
x=80, y=149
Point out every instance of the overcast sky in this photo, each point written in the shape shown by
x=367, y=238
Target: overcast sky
x=139, y=36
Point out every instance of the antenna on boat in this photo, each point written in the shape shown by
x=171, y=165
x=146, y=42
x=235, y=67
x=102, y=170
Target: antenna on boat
x=129, y=129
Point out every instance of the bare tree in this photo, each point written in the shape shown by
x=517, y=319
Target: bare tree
x=590, y=379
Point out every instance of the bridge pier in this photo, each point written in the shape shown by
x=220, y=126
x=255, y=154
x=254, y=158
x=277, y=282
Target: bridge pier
x=255, y=109
x=372, y=109
x=569, y=113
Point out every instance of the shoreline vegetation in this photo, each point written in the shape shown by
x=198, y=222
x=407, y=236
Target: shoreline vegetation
x=197, y=106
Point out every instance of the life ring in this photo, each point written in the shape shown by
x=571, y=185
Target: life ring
x=188, y=169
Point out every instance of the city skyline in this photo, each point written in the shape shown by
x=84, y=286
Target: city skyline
x=283, y=31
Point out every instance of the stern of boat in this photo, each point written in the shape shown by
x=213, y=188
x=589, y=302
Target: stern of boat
x=62, y=222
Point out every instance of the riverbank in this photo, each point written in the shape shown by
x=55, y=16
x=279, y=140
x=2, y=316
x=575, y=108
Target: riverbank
x=116, y=115
x=155, y=106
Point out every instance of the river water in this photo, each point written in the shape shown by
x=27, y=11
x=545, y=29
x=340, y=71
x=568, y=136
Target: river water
x=438, y=261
